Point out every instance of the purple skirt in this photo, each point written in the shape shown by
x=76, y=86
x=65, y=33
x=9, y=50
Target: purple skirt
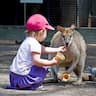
x=28, y=82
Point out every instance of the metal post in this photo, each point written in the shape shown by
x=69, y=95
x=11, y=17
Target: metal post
x=24, y=13
x=78, y=9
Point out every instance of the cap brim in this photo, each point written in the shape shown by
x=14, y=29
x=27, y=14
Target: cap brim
x=50, y=27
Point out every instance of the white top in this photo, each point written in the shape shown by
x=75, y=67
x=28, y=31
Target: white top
x=22, y=62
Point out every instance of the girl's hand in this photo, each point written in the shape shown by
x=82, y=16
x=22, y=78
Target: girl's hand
x=62, y=49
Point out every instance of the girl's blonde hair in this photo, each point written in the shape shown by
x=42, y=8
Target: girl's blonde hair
x=35, y=33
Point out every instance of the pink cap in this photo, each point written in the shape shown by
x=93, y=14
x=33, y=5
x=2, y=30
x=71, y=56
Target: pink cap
x=38, y=22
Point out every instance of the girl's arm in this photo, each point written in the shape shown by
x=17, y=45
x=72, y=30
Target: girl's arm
x=53, y=50
x=42, y=62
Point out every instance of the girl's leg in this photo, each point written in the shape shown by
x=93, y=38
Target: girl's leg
x=28, y=82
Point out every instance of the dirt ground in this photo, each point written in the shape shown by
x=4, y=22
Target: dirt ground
x=8, y=51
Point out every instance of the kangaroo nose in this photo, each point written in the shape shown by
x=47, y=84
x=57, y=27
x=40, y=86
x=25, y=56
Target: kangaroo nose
x=66, y=44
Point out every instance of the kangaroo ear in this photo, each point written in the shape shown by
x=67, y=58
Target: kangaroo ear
x=60, y=28
x=72, y=27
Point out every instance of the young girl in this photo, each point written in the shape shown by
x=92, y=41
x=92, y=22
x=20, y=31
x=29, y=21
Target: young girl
x=28, y=69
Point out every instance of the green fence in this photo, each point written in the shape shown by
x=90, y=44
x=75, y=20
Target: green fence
x=12, y=33
x=89, y=34
x=17, y=33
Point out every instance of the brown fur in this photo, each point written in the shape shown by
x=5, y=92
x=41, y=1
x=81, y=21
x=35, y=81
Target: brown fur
x=75, y=54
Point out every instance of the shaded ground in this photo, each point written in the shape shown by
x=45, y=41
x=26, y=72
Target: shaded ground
x=8, y=51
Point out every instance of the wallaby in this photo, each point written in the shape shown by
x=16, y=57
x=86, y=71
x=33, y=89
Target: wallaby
x=75, y=56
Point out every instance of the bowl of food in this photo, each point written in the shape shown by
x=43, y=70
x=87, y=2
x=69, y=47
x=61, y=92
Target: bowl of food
x=65, y=77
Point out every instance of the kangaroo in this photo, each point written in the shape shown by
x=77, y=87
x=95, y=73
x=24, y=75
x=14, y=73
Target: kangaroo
x=75, y=56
